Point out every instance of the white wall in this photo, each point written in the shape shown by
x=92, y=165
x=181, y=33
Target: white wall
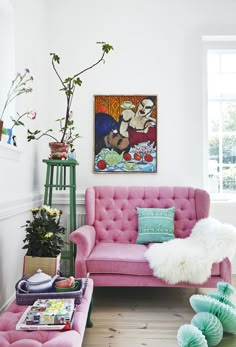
x=19, y=179
x=157, y=50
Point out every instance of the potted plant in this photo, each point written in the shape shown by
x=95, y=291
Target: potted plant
x=19, y=86
x=43, y=241
x=66, y=123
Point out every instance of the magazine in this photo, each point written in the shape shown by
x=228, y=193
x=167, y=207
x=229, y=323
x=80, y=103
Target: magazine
x=48, y=314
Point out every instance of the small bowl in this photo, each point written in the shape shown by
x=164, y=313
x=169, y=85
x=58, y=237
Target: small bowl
x=69, y=289
x=65, y=283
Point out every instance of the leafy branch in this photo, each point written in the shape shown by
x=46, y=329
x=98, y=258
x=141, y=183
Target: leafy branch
x=68, y=86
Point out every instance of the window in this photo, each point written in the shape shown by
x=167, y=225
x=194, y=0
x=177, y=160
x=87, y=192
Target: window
x=221, y=115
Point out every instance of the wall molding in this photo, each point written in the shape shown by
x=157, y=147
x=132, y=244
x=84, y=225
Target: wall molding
x=11, y=208
x=62, y=197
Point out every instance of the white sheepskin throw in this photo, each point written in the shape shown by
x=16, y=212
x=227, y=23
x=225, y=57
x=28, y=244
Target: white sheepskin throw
x=191, y=259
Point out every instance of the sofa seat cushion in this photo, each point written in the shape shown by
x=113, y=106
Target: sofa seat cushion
x=123, y=258
x=118, y=258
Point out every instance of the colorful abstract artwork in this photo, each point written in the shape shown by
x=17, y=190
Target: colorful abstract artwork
x=125, y=133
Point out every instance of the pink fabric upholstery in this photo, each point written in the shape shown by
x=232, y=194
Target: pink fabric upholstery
x=106, y=245
x=73, y=338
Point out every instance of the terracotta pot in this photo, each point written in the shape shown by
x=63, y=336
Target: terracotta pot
x=59, y=150
x=1, y=126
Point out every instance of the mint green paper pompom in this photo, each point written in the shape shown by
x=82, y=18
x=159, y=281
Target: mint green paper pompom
x=190, y=336
x=225, y=313
x=210, y=326
x=223, y=293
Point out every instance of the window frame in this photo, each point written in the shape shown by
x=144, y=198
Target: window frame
x=219, y=43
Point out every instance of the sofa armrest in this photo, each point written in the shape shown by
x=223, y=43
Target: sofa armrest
x=226, y=270
x=84, y=238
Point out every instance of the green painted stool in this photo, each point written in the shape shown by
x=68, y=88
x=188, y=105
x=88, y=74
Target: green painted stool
x=61, y=175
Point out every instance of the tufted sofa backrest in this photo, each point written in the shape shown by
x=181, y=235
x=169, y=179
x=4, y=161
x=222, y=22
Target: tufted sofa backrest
x=112, y=209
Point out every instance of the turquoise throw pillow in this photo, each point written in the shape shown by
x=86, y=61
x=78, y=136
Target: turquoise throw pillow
x=155, y=224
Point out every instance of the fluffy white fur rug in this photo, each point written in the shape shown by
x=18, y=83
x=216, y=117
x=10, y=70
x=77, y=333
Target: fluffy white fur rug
x=191, y=259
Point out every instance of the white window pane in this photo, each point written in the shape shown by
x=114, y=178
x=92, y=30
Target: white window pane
x=214, y=85
x=213, y=62
x=229, y=179
x=228, y=85
x=229, y=149
x=213, y=116
x=229, y=117
x=221, y=73
x=228, y=62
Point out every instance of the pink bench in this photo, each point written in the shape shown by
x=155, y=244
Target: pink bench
x=73, y=338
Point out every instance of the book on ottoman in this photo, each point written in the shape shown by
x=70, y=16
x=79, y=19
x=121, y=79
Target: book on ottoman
x=48, y=314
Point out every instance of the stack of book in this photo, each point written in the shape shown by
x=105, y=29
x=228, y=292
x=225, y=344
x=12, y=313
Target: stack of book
x=48, y=314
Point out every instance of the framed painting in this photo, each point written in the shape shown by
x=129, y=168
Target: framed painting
x=125, y=133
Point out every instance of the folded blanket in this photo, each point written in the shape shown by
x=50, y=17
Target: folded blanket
x=191, y=259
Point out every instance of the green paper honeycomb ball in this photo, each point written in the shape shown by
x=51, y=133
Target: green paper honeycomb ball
x=190, y=336
x=210, y=326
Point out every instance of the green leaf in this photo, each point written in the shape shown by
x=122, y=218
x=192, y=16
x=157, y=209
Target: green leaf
x=105, y=46
x=55, y=57
x=69, y=92
x=19, y=122
x=78, y=81
x=68, y=80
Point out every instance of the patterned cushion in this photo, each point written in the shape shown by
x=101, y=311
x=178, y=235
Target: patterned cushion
x=155, y=224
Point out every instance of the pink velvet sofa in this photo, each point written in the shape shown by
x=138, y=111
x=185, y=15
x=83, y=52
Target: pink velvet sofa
x=106, y=245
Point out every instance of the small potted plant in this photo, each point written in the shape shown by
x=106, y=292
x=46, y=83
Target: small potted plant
x=43, y=241
x=61, y=144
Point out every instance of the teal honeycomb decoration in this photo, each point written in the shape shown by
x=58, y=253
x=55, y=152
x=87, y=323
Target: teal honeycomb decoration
x=190, y=336
x=215, y=314
x=210, y=326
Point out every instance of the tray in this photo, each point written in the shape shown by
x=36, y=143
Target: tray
x=30, y=298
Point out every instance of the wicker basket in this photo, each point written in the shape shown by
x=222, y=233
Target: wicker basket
x=50, y=266
x=30, y=298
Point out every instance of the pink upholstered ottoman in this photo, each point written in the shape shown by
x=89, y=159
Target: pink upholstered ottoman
x=73, y=338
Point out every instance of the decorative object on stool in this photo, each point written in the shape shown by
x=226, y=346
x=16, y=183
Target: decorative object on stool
x=59, y=150
x=216, y=313
x=43, y=241
x=68, y=86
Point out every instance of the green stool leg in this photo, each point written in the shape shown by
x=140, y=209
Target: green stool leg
x=56, y=179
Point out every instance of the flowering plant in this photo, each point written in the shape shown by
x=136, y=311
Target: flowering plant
x=18, y=87
x=68, y=87
x=44, y=232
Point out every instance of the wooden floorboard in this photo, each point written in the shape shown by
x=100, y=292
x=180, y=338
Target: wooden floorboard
x=138, y=317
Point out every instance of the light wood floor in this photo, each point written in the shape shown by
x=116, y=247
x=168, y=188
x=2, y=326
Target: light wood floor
x=142, y=317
